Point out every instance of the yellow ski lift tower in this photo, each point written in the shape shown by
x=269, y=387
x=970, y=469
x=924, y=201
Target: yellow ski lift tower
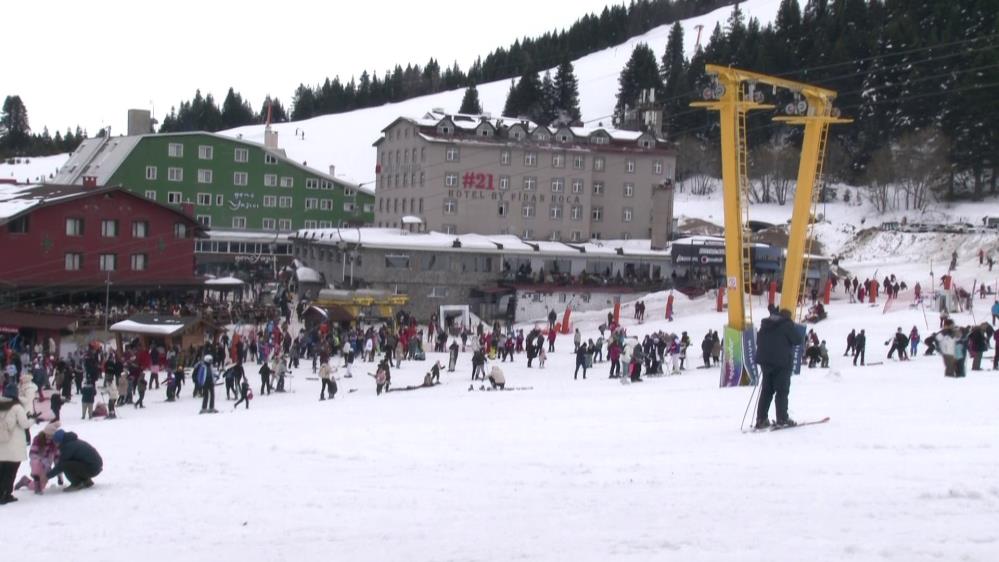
x=733, y=94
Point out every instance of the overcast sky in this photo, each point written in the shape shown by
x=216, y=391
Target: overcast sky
x=86, y=63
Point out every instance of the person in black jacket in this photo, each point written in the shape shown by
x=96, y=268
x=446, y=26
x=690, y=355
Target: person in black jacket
x=775, y=345
x=859, y=348
x=77, y=459
x=581, y=352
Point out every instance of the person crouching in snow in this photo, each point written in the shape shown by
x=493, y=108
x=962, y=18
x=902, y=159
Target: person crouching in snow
x=43, y=454
x=496, y=378
x=77, y=458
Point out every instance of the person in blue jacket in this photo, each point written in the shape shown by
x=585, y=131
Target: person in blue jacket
x=204, y=376
x=78, y=460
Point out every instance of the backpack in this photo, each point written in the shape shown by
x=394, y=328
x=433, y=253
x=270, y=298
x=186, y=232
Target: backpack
x=200, y=374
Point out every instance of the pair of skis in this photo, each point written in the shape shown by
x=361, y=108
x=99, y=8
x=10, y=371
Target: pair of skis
x=775, y=427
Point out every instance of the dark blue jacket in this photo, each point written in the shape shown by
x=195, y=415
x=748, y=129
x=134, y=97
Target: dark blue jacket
x=775, y=342
x=88, y=393
x=75, y=449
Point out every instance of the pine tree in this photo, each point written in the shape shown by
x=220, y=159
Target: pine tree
x=641, y=72
x=235, y=111
x=303, y=103
x=526, y=97
x=674, y=75
x=14, y=128
x=470, y=102
x=547, y=112
x=567, y=92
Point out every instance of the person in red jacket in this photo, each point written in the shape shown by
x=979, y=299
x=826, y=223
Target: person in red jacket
x=551, y=340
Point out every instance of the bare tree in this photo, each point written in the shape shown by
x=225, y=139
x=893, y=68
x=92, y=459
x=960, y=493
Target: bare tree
x=921, y=164
x=773, y=169
x=697, y=165
x=880, y=173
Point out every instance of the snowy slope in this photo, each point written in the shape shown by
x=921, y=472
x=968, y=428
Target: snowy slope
x=345, y=139
x=35, y=169
x=587, y=470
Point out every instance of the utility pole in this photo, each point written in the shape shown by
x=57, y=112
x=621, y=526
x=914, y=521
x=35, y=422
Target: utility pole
x=107, y=301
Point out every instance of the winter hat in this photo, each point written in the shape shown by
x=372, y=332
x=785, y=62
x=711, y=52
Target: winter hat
x=10, y=391
x=12, y=370
x=58, y=435
x=50, y=428
x=208, y=358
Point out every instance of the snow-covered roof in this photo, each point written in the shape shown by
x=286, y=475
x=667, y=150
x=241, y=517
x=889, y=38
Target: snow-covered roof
x=244, y=236
x=391, y=238
x=224, y=282
x=18, y=199
x=308, y=275
x=149, y=324
x=472, y=122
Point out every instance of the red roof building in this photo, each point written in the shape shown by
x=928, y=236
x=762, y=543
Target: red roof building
x=83, y=236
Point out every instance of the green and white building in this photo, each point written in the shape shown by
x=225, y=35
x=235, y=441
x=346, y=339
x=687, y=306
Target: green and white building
x=231, y=183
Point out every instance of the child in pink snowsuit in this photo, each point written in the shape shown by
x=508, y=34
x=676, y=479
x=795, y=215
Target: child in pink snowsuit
x=43, y=455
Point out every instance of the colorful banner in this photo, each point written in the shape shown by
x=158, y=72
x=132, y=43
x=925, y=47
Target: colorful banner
x=732, y=360
x=749, y=354
x=799, y=350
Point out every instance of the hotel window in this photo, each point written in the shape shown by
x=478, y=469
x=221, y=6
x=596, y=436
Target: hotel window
x=326, y=205
x=205, y=199
x=576, y=213
x=311, y=203
x=450, y=207
x=597, y=214
x=657, y=167
x=179, y=230
x=451, y=154
x=423, y=177
x=578, y=162
x=558, y=160
x=108, y=262
x=311, y=224
x=558, y=185
x=577, y=186
x=629, y=166
x=556, y=236
x=629, y=190
x=74, y=227
x=151, y=194
x=437, y=293
x=326, y=185
x=325, y=224
x=528, y=234
x=175, y=150
x=175, y=174
x=530, y=183
x=531, y=159
x=627, y=214
x=270, y=159
x=504, y=183
x=205, y=152
x=284, y=202
x=450, y=228
x=598, y=164
x=284, y=224
x=239, y=222
x=150, y=172
x=270, y=201
x=502, y=208
x=270, y=180
x=527, y=211
x=204, y=176
x=598, y=188
x=269, y=224
x=139, y=262
x=140, y=229
x=240, y=178
x=175, y=197
x=311, y=183
x=219, y=200
x=73, y=261
x=576, y=236
x=242, y=155
x=450, y=180
x=423, y=154
x=287, y=181
x=109, y=228
x=505, y=158
x=349, y=192
x=555, y=213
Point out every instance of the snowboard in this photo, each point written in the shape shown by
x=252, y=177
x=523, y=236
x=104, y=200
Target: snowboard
x=781, y=428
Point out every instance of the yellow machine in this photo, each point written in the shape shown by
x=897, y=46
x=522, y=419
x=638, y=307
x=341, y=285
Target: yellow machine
x=734, y=94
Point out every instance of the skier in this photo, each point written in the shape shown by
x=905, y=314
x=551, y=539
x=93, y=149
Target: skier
x=851, y=342
x=859, y=348
x=776, y=341
x=205, y=378
x=580, y=360
x=453, y=356
x=914, y=342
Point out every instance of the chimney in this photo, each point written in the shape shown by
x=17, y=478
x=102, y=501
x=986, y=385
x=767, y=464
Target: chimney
x=89, y=182
x=332, y=170
x=270, y=137
x=140, y=122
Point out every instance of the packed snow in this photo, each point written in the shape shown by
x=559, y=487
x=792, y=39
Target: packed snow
x=31, y=169
x=562, y=470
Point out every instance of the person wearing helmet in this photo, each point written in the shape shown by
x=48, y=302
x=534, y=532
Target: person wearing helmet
x=205, y=378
